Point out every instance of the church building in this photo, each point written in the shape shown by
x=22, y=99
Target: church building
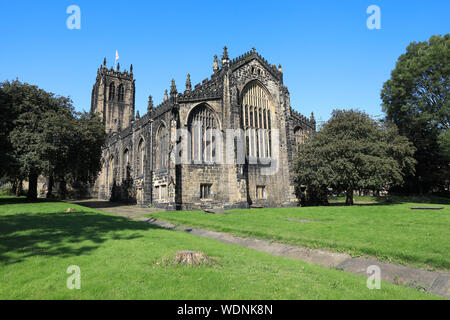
x=229, y=141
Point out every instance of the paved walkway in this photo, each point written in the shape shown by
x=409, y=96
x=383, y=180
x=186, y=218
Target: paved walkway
x=128, y=211
x=437, y=283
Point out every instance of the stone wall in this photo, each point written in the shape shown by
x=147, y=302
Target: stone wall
x=232, y=185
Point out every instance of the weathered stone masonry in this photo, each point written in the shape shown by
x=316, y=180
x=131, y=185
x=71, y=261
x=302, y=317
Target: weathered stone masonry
x=244, y=93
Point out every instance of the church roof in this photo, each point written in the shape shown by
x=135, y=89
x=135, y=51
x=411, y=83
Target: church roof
x=212, y=88
x=209, y=89
x=254, y=55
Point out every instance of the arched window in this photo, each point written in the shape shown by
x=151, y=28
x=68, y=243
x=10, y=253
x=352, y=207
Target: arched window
x=256, y=115
x=162, y=147
x=121, y=93
x=201, y=123
x=110, y=173
x=126, y=164
x=300, y=136
x=140, y=157
x=126, y=157
x=112, y=91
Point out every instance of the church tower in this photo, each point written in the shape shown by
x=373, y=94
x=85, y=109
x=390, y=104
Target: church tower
x=113, y=96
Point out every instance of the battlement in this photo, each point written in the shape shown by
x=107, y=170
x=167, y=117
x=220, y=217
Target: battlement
x=103, y=71
x=209, y=88
x=162, y=107
x=310, y=122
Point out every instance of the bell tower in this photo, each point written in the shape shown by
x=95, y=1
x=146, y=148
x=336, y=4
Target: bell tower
x=113, y=96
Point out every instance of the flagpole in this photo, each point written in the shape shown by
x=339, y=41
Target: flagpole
x=115, y=60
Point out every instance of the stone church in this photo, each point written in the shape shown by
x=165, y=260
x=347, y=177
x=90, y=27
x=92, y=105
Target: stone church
x=244, y=96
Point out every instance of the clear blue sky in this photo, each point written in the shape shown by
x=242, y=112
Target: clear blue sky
x=330, y=58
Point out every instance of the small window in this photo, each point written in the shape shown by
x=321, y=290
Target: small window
x=121, y=93
x=163, y=192
x=260, y=192
x=205, y=191
x=112, y=91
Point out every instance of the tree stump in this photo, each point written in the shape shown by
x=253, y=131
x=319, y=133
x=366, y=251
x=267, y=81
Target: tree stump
x=191, y=258
x=214, y=211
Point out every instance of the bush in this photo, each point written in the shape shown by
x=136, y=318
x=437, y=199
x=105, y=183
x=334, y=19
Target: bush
x=312, y=196
x=6, y=190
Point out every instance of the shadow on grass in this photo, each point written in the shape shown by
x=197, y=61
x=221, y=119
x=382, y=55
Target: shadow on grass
x=430, y=199
x=388, y=200
x=356, y=204
x=58, y=234
x=375, y=201
x=98, y=204
x=23, y=200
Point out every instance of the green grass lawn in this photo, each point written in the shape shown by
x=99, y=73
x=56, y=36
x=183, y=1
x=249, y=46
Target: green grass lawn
x=389, y=232
x=124, y=259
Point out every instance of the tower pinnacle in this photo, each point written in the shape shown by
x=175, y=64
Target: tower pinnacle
x=225, y=58
x=215, y=63
x=188, y=83
x=173, y=89
x=150, y=104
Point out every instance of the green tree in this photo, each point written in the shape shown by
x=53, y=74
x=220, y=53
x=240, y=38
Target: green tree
x=444, y=143
x=85, y=153
x=43, y=135
x=351, y=152
x=29, y=104
x=12, y=95
x=71, y=146
x=6, y=125
x=417, y=99
x=58, y=130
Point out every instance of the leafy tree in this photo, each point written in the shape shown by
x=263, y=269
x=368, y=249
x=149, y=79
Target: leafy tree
x=353, y=151
x=417, y=99
x=444, y=143
x=10, y=93
x=85, y=150
x=5, y=127
x=29, y=104
x=71, y=146
x=58, y=128
x=43, y=135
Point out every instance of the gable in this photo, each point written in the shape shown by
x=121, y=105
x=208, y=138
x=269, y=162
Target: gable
x=253, y=64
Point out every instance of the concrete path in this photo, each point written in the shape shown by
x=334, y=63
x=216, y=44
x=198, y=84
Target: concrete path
x=437, y=283
x=434, y=282
x=128, y=211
